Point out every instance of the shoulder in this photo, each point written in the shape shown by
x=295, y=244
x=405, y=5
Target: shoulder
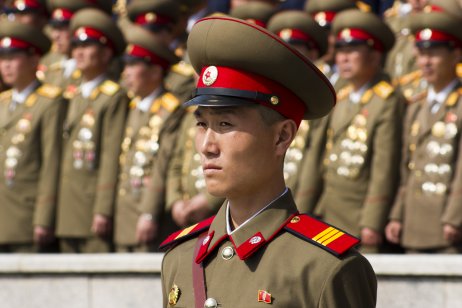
x=321, y=234
x=344, y=92
x=186, y=234
x=169, y=101
x=6, y=96
x=109, y=87
x=183, y=68
x=49, y=91
x=383, y=89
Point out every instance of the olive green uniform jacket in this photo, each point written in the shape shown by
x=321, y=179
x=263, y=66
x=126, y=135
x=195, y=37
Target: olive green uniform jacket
x=93, y=132
x=361, y=158
x=185, y=176
x=180, y=80
x=276, y=255
x=30, y=143
x=430, y=193
x=147, y=134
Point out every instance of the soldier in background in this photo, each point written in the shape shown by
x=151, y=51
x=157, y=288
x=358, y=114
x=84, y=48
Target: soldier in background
x=61, y=69
x=256, y=12
x=427, y=213
x=361, y=156
x=31, y=12
x=31, y=116
x=151, y=128
x=93, y=132
x=299, y=30
x=323, y=12
x=400, y=61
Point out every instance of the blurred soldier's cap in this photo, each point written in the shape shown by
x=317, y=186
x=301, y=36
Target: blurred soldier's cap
x=435, y=27
x=451, y=7
x=95, y=26
x=15, y=36
x=61, y=11
x=355, y=27
x=240, y=63
x=297, y=27
x=143, y=46
x=324, y=11
x=254, y=12
x=154, y=15
x=27, y=6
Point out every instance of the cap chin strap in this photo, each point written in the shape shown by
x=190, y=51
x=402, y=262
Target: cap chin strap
x=252, y=95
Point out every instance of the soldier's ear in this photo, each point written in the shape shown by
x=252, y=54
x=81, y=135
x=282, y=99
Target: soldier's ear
x=285, y=134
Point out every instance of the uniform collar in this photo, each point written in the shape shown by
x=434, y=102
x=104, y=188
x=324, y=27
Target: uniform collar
x=355, y=96
x=20, y=97
x=145, y=103
x=252, y=235
x=88, y=86
x=440, y=97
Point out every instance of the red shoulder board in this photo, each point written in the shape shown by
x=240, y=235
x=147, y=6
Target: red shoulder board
x=321, y=234
x=185, y=234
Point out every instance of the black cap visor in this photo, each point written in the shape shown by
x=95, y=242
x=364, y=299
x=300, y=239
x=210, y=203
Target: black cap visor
x=217, y=101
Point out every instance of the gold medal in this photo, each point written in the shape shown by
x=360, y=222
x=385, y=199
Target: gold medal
x=17, y=138
x=352, y=133
x=88, y=120
x=415, y=128
x=451, y=131
x=145, y=132
x=360, y=120
x=24, y=126
x=155, y=121
x=439, y=129
x=362, y=135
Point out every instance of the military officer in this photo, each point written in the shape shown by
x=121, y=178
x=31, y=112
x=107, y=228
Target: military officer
x=93, y=132
x=59, y=67
x=31, y=117
x=361, y=148
x=152, y=124
x=427, y=213
x=251, y=98
x=323, y=12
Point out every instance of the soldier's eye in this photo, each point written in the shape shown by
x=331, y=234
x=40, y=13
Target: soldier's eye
x=200, y=124
x=225, y=124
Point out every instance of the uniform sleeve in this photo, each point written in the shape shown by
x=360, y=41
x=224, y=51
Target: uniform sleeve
x=111, y=138
x=310, y=183
x=351, y=284
x=50, y=145
x=386, y=147
x=153, y=201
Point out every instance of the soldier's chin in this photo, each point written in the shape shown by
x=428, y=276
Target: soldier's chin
x=215, y=190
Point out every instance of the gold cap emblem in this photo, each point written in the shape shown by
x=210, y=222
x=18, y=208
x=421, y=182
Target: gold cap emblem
x=321, y=18
x=58, y=14
x=6, y=42
x=346, y=34
x=426, y=34
x=151, y=17
x=210, y=75
x=286, y=34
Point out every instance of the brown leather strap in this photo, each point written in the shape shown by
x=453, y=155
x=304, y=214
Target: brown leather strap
x=198, y=276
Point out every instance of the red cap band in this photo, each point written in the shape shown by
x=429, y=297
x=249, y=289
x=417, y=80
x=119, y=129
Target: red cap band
x=140, y=52
x=85, y=33
x=296, y=34
x=152, y=18
x=433, y=8
x=282, y=100
x=324, y=18
x=351, y=34
x=436, y=36
x=22, y=5
x=62, y=15
x=17, y=44
x=256, y=22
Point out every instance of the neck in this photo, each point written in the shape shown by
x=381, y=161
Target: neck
x=20, y=86
x=442, y=83
x=90, y=75
x=245, y=206
x=144, y=93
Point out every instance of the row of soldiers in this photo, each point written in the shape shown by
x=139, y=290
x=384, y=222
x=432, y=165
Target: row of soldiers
x=97, y=150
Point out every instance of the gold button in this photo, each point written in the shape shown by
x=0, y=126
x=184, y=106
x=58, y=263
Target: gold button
x=122, y=192
x=274, y=100
x=295, y=220
x=211, y=303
